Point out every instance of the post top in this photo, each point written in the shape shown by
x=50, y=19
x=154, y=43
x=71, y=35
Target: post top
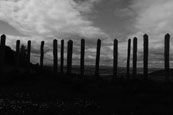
x=145, y=36
x=135, y=38
x=55, y=40
x=3, y=36
x=42, y=42
x=167, y=35
x=115, y=39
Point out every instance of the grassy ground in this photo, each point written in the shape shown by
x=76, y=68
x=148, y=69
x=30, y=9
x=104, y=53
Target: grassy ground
x=67, y=95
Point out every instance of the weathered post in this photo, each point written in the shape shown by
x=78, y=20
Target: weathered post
x=128, y=58
x=134, y=57
x=2, y=52
x=166, y=56
x=97, y=58
x=23, y=56
x=115, y=63
x=69, y=57
x=82, y=60
x=55, y=56
x=17, y=54
x=29, y=52
x=145, y=59
x=62, y=56
x=41, y=55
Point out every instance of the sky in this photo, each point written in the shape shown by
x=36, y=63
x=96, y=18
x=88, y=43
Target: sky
x=38, y=20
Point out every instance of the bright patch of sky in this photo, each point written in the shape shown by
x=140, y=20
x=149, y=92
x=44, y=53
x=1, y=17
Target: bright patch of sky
x=90, y=19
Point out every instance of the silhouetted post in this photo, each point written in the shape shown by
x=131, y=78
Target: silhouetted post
x=128, y=58
x=134, y=57
x=2, y=52
x=97, y=58
x=145, y=59
x=55, y=56
x=62, y=56
x=115, y=63
x=41, y=55
x=69, y=57
x=166, y=56
x=23, y=56
x=82, y=57
x=17, y=54
x=29, y=52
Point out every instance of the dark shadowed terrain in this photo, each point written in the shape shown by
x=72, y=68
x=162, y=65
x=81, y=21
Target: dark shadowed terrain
x=36, y=93
x=28, y=90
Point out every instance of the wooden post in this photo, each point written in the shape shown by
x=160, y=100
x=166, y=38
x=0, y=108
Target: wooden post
x=17, y=54
x=41, y=55
x=115, y=63
x=55, y=56
x=29, y=52
x=2, y=52
x=82, y=60
x=166, y=56
x=145, y=59
x=134, y=57
x=69, y=56
x=128, y=58
x=97, y=58
x=23, y=56
x=62, y=56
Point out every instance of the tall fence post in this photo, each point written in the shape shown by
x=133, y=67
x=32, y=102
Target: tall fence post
x=166, y=56
x=55, y=56
x=41, y=55
x=69, y=56
x=145, y=59
x=97, y=58
x=62, y=56
x=134, y=57
x=17, y=54
x=128, y=58
x=2, y=52
x=115, y=63
x=23, y=56
x=82, y=60
x=29, y=52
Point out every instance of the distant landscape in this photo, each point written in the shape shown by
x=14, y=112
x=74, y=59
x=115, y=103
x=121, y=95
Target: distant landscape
x=29, y=89
x=86, y=57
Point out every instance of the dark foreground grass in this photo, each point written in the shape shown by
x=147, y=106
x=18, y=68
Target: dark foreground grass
x=67, y=95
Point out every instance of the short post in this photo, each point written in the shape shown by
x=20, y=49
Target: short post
x=166, y=56
x=55, y=56
x=115, y=63
x=145, y=59
x=97, y=58
x=82, y=57
x=62, y=56
x=29, y=52
x=41, y=55
x=128, y=58
x=23, y=56
x=17, y=54
x=134, y=57
x=69, y=56
x=2, y=52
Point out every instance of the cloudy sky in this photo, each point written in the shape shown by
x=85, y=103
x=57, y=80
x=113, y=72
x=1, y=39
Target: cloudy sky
x=90, y=19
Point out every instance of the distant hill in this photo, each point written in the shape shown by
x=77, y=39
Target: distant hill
x=9, y=56
x=161, y=73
